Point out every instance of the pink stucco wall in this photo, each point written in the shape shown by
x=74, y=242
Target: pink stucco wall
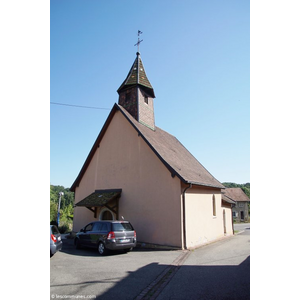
x=201, y=225
x=150, y=199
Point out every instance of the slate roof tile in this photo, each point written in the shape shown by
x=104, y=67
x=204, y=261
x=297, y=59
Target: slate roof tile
x=137, y=76
x=175, y=155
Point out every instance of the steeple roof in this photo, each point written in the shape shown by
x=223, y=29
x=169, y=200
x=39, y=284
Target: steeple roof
x=137, y=76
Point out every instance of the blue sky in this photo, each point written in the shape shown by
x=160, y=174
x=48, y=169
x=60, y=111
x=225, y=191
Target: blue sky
x=196, y=55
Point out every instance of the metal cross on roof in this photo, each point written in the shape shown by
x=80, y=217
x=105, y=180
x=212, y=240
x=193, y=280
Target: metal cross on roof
x=139, y=41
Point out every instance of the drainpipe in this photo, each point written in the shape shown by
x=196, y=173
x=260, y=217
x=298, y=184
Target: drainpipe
x=183, y=217
x=232, y=205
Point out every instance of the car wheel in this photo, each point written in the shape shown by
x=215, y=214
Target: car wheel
x=101, y=249
x=77, y=243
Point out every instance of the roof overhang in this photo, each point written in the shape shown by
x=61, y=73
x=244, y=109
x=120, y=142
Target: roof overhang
x=100, y=198
x=228, y=200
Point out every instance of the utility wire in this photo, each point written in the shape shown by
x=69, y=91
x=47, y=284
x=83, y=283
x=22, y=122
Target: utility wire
x=80, y=106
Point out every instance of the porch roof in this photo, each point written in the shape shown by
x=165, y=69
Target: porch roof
x=100, y=198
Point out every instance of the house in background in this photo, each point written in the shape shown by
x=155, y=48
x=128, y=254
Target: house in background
x=141, y=172
x=240, y=211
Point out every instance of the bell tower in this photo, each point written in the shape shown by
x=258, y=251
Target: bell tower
x=136, y=94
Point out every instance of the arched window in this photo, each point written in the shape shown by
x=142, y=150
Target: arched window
x=214, y=205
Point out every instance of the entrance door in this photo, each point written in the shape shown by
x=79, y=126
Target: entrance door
x=107, y=215
x=242, y=215
x=224, y=221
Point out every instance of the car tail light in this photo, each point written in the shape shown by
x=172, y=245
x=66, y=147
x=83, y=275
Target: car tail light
x=134, y=234
x=111, y=235
x=53, y=237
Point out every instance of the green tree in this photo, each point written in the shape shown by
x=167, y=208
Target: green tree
x=53, y=211
x=66, y=206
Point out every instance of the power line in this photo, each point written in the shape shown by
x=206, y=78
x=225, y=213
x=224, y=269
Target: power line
x=80, y=106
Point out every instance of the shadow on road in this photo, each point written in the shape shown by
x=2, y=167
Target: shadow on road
x=190, y=282
x=69, y=248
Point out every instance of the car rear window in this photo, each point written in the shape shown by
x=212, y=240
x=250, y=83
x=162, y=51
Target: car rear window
x=122, y=227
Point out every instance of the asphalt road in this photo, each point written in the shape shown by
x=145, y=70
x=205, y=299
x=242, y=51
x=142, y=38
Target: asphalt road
x=220, y=270
x=117, y=276
x=242, y=227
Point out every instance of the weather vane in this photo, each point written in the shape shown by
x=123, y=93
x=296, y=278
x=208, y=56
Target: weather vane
x=139, y=41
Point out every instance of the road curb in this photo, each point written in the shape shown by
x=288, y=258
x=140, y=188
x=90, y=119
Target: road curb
x=239, y=232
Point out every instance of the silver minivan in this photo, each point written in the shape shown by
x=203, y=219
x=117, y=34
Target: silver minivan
x=55, y=240
x=107, y=235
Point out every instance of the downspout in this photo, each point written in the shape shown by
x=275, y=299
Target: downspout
x=232, y=205
x=183, y=216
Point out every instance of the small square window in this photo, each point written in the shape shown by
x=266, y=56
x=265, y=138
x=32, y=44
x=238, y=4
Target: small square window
x=146, y=99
